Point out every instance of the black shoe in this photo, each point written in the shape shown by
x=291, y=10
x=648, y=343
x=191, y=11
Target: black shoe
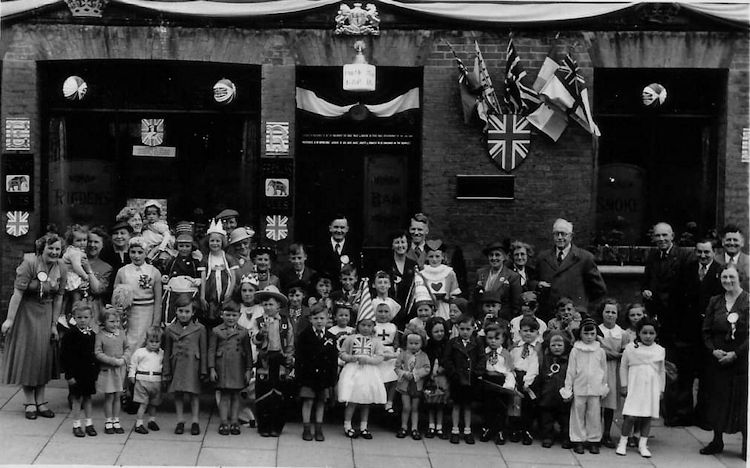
x=608, y=442
x=365, y=434
x=108, y=429
x=140, y=429
x=632, y=441
x=515, y=436
x=350, y=433
x=469, y=438
x=500, y=438
x=264, y=433
x=251, y=423
x=118, y=428
x=78, y=432
x=234, y=429
x=45, y=413
x=30, y=413
x=439, y=433
x=430, y=434
x=179, y=428
x=455, y=438
x=195, y=429
x=416, y=435
x=275, y=433
x=526, y=438
x=401, y=434
x=306, y=433
x=547, y=443
x=594, y=448
x=90, y=431
x=153, y=426
x=486, y=435
x=712, y=448
x=567, y=444
x=223, y=429
x=578, y=447
x=319, y=437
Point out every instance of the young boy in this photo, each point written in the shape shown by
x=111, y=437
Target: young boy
x=298, y=269
x=81, y=367
x=491, y=311
x=145, y=374
x=382, y=285
x=316, y=369
x=299, y=314
x=273, y=335
x=498, y=377
x=464, y=361
x=525, y=360
x=181, y=275
x=529, y=306
x=262, y=257
x=341, y=329
x=348, y=292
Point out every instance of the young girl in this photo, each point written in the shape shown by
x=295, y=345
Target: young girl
x=81, y=368
x=217, y=275
x=412, y=367
x=552, y=371
x=586, y=383
x=185, y=365
x=230, y=364
x=458, y=307
x=436, y=391
x=360, y=384
x=155, y=232
x=77, y=279
x=386, y=332
x=643, y=373
x=244, y=295
x=322, y=284
x=439, y=277
x=566, y=316
x=613, y=341
x=635, y=312
x=498, y=377
x=112, y=352
x=424, y=307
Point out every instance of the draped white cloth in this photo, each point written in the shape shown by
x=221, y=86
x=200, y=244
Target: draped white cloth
x=311, y=102
x=487, y=11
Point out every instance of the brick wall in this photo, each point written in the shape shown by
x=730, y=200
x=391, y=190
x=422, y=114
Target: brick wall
x=556, y=179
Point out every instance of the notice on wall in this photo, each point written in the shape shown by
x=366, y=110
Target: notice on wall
x=276, y=177
x=357, y=139
x=18, y=193
x=18, y=134
x=277, y=138
x=81, y=190
x=746, y=145
x=385, y=203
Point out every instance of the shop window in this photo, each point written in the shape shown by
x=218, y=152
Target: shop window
x=656, y=163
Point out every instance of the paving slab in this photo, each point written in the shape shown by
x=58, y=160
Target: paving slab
x=443, y=446
x=328, y=457
x=14, y=423
x=536, y=454
x=448, y=460
x=236, y=457
x=365, y=460
x=19, y=449
x=84, y=451
x=156, y=452
x=387, y=443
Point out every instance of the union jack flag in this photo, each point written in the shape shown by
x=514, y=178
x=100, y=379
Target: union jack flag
x=18, y=223
x=508, y=140
x=518, y=97
x=276, y=227
x=489, y=103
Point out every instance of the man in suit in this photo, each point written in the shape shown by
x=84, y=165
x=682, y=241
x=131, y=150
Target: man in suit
x=419, y=227
x=568, y=271
x=732, y=241
x=497, y=277
x=698, y=282
x=297, y=270
x=338, y=250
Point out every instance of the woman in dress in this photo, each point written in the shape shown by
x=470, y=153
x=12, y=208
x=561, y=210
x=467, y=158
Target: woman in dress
x=102, y=271
x=31, y=331
x=723, y=393
x=144, y=282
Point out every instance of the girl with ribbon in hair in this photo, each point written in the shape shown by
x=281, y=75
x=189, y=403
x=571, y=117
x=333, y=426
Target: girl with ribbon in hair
x=217, y=276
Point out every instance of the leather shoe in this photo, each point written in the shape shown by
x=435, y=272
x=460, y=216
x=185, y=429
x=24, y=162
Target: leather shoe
x=234, y=429
x=140, y=429
x=486, y=435
x=712, y=448
x=45, y=413
x=180, y=428
x=608, y=442
x=30, y=414
x=594, y=448
x=547, y=443
x=78, y=432
x=195, y=429
x=401, y=434
x=566, y=444
x=578, y=448
x=526, y=438
x=455, y=438
x=153, y=426
x=515, y=436
x=469, y=438
x=500, y=438
x=223, y=429
x=90, y=431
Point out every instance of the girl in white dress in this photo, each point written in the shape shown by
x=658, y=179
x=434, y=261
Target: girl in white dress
x=643, y=374
x=360, y=384
x=386, y=332
x=613, y=340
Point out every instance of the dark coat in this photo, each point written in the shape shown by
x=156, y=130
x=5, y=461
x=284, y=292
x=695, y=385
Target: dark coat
x=508, y=286
x=325, y=258
x=287, y=276
x=231, y=354
x=692, y=300
x=316, y=365
x=577, y=278
x=661, y=277
x=400, y=285
x=185, y=356
x=463, y=364
x=532, y=278
x=78, y=359
x=548, y=382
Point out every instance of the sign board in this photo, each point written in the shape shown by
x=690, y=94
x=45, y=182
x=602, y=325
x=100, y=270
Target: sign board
x=18, y=193
x=276, y=175
x=17, y=134
x=81, y=190
x=485, y=187
x=359, y=77
x=385, y=197
x=277, y=138
x=155, y=151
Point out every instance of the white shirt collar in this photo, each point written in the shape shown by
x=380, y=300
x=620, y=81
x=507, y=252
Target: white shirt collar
x=334, y=242
x=565, y=251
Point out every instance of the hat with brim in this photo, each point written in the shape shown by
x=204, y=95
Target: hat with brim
x=121, y=225
x=495, y=246
x=228, y=213
x=263, y=249
x=297, y=284
x=491, y=297
x=271, y=291
x=238, y=235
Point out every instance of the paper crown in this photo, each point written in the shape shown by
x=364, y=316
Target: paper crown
x=215, y=227
x=435, y=244
x=422, y=294
x=251, y=279
x=184, y=231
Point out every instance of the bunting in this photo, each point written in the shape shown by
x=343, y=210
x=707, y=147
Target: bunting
x=565, y=89
x=518, y=98
x=311, y=102
x=364, y=300
x=488, y=103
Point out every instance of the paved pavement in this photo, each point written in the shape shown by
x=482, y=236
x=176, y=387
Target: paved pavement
x=50, y=441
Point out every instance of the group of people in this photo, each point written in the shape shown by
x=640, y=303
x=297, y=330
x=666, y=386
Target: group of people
x=533, y=344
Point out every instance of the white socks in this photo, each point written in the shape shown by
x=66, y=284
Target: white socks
x=643, y=447
x=622, y=445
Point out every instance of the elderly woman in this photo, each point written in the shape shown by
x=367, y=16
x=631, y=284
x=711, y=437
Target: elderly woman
x=521, y=253
x=240, y=246
x=497, y=277
x=34, y=308
x=723, y=392
x=100, y=271
x=144, y=282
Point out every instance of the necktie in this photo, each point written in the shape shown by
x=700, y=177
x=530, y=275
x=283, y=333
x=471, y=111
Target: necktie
x=525, y=352
x=417, y=251
x=559, y=257
x=338, y=248
x=320, y=334
x=299, y=274
x=702, y=272
x=663, y=254
x=731, y=260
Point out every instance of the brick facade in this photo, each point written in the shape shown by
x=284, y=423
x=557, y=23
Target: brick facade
x=556, y=180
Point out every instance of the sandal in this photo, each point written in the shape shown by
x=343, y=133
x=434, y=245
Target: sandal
x=45, y=413
x=30, y=414
x=350, y=433
x=365, y=434
x=416, y=435
x=223, y=429
x=401, y=434
x=234, y=429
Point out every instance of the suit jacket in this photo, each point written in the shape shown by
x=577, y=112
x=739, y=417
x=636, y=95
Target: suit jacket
x=508, y=285
x=418, y=259
x=661, y=278
x=316, y=365
x=743, y=266
x=287, y=276
x=326, y=259
x=577, y=277
x=463, y=364
x=77, y=356
x=692, y=299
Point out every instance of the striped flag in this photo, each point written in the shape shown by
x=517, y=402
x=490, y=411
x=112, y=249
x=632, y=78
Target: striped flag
x=468, y=87
x=489, y=103
x=518, y=97
x=364, y=300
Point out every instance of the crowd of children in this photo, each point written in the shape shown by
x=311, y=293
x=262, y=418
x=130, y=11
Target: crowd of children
x=448, y=368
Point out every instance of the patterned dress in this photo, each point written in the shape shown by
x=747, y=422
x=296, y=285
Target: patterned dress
x=141, y=280
x=360, y=382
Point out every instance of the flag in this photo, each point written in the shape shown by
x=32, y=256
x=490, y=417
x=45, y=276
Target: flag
x=468, y=87
x=546, y=72
x=18, y=223
x=276, y=227
x=518, y=98
x=488, y=103
x=508, y=140
x=565, y=89
x=549, y=119
x=364, y=300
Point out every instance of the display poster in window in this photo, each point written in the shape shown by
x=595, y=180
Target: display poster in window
x=385, y=200
x=621, y=206
x=276, y=177
x=80, y=191
x=18, y=193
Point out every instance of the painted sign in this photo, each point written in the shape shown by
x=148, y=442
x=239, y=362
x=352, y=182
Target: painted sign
x=277, y=138
x=18, y=134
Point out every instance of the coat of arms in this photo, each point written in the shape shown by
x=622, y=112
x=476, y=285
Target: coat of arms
x=357, y=21
x=152, y=132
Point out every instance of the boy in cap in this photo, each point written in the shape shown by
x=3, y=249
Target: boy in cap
x=529, y=306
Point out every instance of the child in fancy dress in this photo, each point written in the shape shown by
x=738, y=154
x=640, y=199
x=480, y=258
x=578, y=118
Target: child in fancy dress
x=244, y=295
x=525, y=360
x=440, y=278
x=112, y=352
x=186, y=365
x=437, y=391
x=552, y=370
x=217, y=276
x=360, y=384
x=497, y=383
x=81, y=368
x=144, y=373
x=642, y=371
x=386, y=332
x=613, y=340
x=412, y=367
